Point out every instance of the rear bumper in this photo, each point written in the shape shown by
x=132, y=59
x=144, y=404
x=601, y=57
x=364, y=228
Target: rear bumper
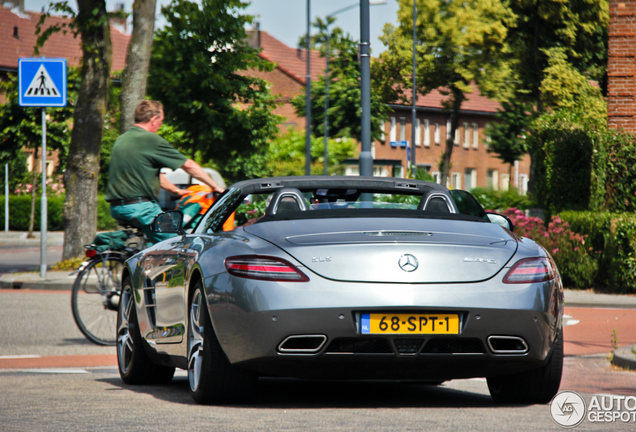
x=252, y=340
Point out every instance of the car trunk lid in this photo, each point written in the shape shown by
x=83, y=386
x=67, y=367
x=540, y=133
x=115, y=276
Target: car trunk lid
x=385, y=250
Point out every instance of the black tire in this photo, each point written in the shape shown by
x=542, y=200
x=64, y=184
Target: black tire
x=212, y=379
x=95, y=297
x=135, y=367
x=534, y=386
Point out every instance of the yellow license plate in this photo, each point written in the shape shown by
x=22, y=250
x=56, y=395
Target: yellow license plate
x=385, y=323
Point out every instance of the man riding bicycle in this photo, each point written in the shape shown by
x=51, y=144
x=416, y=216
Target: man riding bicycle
x=134, y=175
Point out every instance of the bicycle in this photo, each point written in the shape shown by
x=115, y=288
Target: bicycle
x=97, y=288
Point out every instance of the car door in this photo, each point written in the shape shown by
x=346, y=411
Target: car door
x=170, y=295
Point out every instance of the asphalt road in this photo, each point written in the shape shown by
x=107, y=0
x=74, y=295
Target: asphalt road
x=50, y=386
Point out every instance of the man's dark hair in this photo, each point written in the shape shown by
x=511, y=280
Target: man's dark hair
x=146, y=110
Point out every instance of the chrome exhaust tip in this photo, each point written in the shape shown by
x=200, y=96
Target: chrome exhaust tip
x=507, y=345
x=302, y=344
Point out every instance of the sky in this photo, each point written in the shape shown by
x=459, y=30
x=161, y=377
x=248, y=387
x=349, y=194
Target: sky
x=286, y=20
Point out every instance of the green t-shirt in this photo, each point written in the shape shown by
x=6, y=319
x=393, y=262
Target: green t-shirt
x=135, y=162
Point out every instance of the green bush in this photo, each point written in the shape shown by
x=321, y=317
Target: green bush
x=611, y=237
x=564, y=167
x=20, y=213
x=620, y=171
x=498, y=200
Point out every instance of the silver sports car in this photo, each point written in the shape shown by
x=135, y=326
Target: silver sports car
x=342, y=278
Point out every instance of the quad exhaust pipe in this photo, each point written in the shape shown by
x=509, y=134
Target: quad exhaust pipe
x=302, y=344
x=507, y=345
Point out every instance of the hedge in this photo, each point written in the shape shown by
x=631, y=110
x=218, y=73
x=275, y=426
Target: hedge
x=612, y=238
x=20, y=213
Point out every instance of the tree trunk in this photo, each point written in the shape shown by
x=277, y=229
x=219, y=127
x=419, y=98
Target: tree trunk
x=456, y=105
x=133, y=88
x=82, y=167
x=34, y=189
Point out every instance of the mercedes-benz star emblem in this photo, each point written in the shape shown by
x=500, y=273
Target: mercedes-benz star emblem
x=408, y=263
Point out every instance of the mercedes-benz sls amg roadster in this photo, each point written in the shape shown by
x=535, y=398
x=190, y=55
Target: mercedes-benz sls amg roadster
x=342, y=278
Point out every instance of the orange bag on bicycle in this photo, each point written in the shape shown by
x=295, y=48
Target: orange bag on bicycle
x=195, y=205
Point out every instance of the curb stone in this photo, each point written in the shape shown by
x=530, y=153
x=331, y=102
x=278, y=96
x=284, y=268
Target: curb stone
x=625, y=357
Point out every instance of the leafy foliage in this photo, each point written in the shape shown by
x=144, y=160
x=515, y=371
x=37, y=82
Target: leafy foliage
x=499, y=200
x=344, y=89
x=612, y=239
x=222, y=112
x=570, y=161
x=508, y=133
x=20, y=213
x=619, y=149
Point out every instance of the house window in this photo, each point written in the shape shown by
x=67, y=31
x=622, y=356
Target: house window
x=487, y=137
x=437, y=176
x=393, y=133
x=470, y=175
x=493, y=179
x=475, y=135
x=383, y=133
x=418, y=135
x=402, y=128
x=448, y=129
x=427, y=134
x=505, y=182
x=436, y=138
x=457, y=136
x=456, y=180
x=523, y=184
x=466, y=136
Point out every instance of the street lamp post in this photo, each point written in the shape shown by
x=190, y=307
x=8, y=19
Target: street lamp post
x=366, y=158
x=413, y=97
x=327, y=80
x=308, y=97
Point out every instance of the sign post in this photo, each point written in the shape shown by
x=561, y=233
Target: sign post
x=42, y=83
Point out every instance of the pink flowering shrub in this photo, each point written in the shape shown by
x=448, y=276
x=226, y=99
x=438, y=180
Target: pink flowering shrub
x=52, y=188
x=569, y=250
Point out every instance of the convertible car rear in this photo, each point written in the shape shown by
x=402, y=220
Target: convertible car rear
x=343, y=278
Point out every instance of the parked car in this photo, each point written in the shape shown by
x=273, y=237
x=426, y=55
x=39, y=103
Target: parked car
x=343, y=278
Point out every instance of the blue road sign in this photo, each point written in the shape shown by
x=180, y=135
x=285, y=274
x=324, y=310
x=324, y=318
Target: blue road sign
x=42, y=82
x=399, y=143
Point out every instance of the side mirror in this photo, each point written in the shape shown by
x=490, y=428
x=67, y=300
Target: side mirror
x=500, y=220
x=168, y=222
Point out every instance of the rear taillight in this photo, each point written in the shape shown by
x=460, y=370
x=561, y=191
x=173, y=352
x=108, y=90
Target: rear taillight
x=531, y=270
x=264, y=268
x=90, y=253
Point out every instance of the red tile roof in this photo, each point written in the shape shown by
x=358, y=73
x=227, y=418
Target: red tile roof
x=59, y=45
x=287, y=60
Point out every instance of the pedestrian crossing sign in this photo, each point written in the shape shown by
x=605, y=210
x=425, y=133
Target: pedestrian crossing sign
x=42, y=82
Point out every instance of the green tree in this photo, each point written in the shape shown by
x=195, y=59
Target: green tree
x=198, y=69
x=82, y=165
x=507, y=135
x=556, y=49
x=458, y=43
x=344, y=89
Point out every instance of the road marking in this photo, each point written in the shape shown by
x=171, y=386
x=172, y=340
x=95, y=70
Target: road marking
x=56, y=371
x=19, y=356
x=568, y=321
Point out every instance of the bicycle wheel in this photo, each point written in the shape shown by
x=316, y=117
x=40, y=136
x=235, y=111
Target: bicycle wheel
x=95, y=299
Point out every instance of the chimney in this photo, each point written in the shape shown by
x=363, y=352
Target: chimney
x=17, y=4
x=254, y=35
x=119, y=17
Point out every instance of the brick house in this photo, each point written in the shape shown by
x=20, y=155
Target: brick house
x=17, y=39
x=472, y=165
